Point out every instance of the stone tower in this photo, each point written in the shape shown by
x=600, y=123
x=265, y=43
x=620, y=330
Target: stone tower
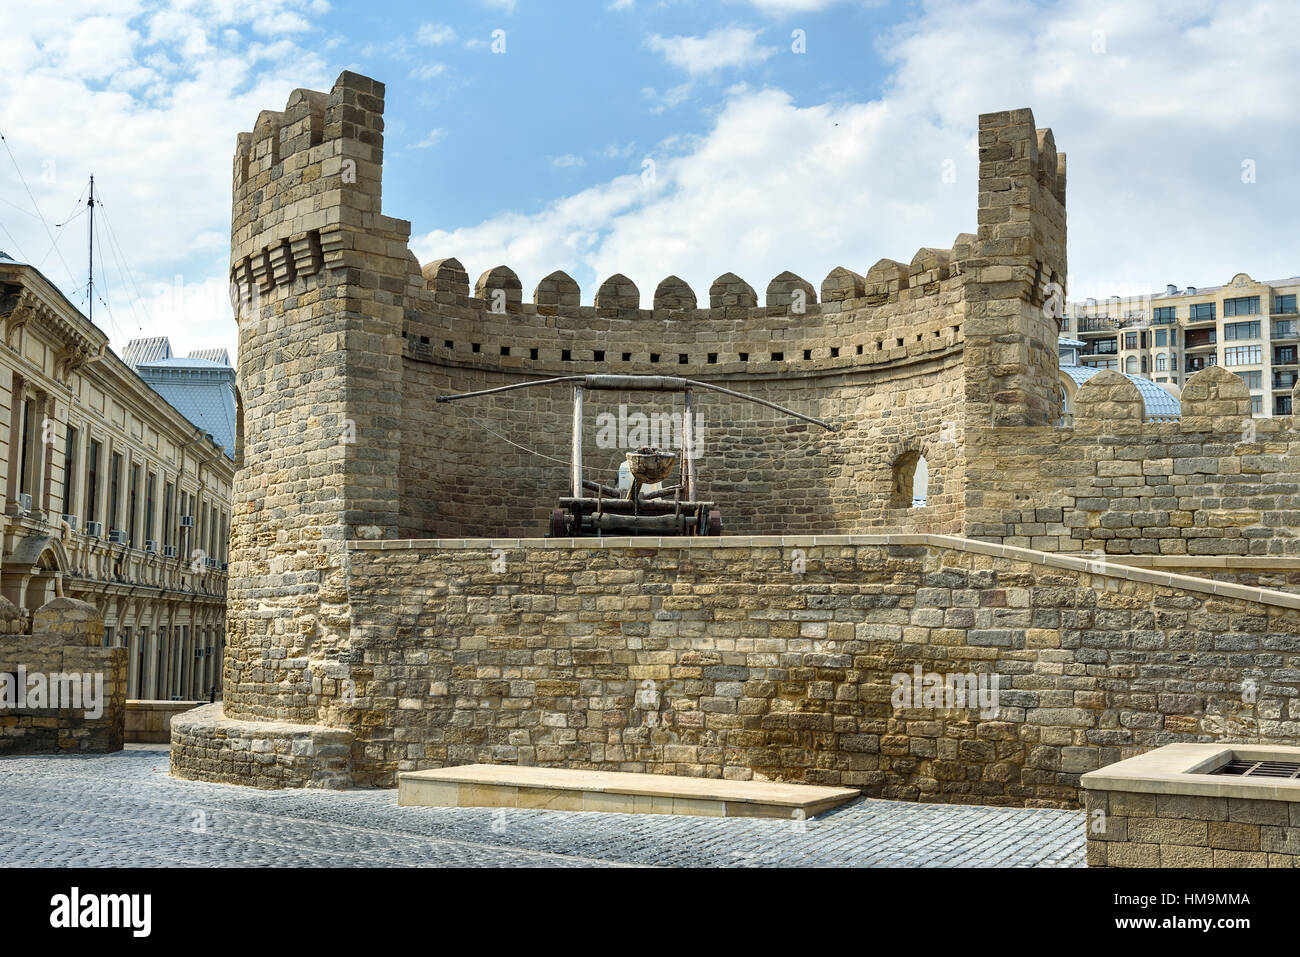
x=317, y=274
x=1016, y=275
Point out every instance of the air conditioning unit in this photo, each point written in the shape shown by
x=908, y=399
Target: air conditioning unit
x=24, y=503
x=151, y=547
x=94, y=529
x=71, y=521
x=187, y=521
x=117, y=536
x=169, y=551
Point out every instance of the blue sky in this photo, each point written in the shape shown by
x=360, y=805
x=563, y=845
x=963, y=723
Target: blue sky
x=861, y=146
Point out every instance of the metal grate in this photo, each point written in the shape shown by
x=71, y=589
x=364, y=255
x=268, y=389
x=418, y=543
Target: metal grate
x=1262, y=769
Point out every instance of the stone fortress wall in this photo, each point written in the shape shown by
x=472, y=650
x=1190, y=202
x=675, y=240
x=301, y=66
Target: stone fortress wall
x=392, y=606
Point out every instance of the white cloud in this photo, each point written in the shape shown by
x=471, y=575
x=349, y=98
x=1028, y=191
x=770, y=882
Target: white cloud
x=435, y=34
x=431, y=138
x=792, y=6
x=724, y=47
x=428, y=71
x=145, y=98
x=1156, y=129
x=567, y=161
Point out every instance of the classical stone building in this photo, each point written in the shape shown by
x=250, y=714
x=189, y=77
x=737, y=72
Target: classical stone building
x=395, y=605
x=112, y=496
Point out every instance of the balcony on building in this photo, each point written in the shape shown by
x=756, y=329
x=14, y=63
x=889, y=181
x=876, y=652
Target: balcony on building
x=1285, y=380
x=1200, y=339
x=1284, y=355
x=1100, y=347
x=1097, y=324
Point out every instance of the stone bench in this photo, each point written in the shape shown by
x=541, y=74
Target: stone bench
x=564, y=789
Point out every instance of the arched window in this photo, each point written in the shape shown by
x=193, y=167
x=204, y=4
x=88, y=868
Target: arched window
x=911, y=481
x=1131, y=365
x=1162, y=362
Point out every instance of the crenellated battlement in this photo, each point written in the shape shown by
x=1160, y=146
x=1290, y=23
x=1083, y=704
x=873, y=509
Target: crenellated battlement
x=306, y=185
x=902, y=313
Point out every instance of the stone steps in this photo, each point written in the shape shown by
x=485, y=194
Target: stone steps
x=564, y=789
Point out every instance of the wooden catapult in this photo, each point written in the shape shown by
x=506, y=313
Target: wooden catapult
x=668, y=510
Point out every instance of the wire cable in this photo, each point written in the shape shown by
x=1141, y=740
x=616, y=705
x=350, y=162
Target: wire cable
x=37, y=207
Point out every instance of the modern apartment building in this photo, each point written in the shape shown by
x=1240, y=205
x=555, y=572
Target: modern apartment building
x=1251, y=328
x=112, y=496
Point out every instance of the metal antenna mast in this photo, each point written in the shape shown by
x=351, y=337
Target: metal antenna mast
x=90, y=286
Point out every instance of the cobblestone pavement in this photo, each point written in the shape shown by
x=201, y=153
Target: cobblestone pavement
x=124, y=809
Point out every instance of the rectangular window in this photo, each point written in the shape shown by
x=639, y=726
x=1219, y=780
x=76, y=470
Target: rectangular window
x=1201, y=311
x=167, y=514
x=25, y=446
x=148, y=507
x=1285, y=329
x=1243, y=306
x=1240, y=330
x=114, y=479
x=1257, y=404
x=1282, y=405
x=1130, y=340
x=1241, y=355
x=70, y=472
x=1164, y=314
x=1284, y=303
x=1252, y=379
x=130, y=505
x=1284, y=355
x=1162, y=337
x=92, y=481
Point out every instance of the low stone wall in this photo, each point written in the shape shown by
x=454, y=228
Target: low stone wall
x=775, y=658
x=208, y=746
x=61, y=655
x=150, y=721
x=1172, y=808
x=1179, y=830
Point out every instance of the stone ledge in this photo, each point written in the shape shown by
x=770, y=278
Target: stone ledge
x=1185, y=769
x=565, y=789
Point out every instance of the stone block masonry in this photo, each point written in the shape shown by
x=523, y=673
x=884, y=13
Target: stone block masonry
x=83, y=685
x=1173, y=808
x=775, y=658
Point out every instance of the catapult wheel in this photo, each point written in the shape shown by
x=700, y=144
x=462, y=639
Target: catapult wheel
x=713, y=522
x=559, y=526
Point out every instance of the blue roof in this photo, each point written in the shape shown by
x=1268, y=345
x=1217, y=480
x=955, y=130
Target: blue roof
x=1159, y=403
x=202, y=391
